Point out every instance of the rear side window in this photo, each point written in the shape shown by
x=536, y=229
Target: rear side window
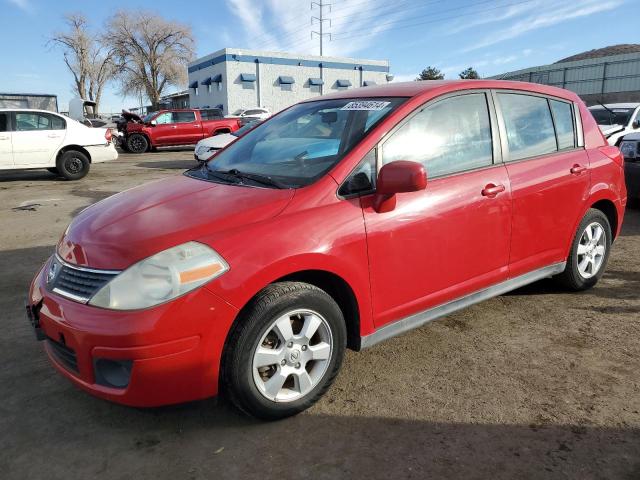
x=452, y=135
x=26, y=121
x=184, y=117
x=212, y=114
x=527, y=120
x=254, y=112
x=563, y=119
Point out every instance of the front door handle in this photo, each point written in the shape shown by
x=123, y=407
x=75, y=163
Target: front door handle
x=174, y=126
x=53, y=135
x=4, y=138
x=196, y=125
x=491, y=190
x=577, y=169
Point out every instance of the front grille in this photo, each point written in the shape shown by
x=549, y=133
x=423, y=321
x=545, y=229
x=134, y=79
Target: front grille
x=65, y=355
x=77, y=283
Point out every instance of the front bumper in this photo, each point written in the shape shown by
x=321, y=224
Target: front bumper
x=632, y=178
x=171, y=352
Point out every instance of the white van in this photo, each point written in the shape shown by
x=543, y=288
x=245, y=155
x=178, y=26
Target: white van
x=40, y=139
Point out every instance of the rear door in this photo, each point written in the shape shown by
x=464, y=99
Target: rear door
x=548, y=171
x=189, y=128
x=6, y=151
x=36, y=138
x=452, y=238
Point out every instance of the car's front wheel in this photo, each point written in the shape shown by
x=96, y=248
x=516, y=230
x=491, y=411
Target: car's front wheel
x=137, y=143
x=589, y=252
x=285, y=350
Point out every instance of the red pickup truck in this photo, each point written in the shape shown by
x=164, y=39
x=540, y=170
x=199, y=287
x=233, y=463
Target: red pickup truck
x=172, y=127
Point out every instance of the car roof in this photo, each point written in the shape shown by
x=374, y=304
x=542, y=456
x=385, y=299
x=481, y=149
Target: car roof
x=426, y=87
x=617, y=105
x=28, y=110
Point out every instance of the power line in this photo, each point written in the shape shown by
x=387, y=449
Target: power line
x=369, y=32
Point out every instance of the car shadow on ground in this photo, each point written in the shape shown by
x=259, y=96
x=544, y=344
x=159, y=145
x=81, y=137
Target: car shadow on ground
x=169, y=164
x=28, y=175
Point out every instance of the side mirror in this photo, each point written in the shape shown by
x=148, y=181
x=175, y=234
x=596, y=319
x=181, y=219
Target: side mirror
x=636, y=124
x=398, y=177
x=153, y=123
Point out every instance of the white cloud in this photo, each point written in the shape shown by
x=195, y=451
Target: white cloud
x=286, y=25
x=22, y=5
x=552, y=13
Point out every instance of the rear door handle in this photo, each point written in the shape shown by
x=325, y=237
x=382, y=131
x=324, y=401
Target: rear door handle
x=577, y=169
x=491, y=190
x=4, y=138
x=196, y=125
x=53, y=135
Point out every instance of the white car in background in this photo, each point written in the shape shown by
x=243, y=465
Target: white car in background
x=258, y=113
x=616, y=120
x=41, y=139
x=208, y=147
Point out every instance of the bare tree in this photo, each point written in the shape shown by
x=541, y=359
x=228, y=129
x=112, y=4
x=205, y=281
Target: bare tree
x=88, y=59
x=152, y=53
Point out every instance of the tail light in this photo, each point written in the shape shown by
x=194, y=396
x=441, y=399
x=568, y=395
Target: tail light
x=108, y=135
x=614, y=154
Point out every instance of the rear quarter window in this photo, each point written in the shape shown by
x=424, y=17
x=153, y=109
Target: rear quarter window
x=563, y=119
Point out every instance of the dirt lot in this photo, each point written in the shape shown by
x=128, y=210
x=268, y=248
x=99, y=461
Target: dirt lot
x=535, y=384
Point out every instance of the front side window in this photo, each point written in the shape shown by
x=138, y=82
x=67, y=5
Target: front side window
x=26, y=121
x=184, y=117
x=563, y=119
x=164, y=118
x=452, y=135
x=527, y=120
x=301, y=144
x=4, y=122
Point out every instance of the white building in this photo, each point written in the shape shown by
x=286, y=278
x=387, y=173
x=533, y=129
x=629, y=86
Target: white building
x=232, y=78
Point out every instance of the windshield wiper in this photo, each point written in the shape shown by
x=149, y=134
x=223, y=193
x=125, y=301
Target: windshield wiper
x=218, y=174
x=256, y=177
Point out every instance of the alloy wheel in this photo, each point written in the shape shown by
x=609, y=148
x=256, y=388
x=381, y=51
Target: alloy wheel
x=591, y=250
x=292, y=356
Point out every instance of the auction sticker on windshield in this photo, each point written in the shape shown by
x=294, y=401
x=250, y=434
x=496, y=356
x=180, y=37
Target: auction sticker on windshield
x=365, y=105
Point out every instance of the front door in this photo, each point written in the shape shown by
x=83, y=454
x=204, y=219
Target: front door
x=36, y=138
x=549, y=177
x=6, y=150
x=452, y=238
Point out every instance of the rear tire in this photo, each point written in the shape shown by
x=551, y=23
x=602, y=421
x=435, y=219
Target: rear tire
x=271, y=342
x=137, y=143
x=73, y=165
x=589, y=252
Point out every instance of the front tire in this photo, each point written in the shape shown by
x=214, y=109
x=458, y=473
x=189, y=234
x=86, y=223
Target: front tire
x=589, y=252
x=285, y=351
x=73, y=165
x=137, y=143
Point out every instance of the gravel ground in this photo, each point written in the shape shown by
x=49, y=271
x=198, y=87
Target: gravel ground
x=538, y=383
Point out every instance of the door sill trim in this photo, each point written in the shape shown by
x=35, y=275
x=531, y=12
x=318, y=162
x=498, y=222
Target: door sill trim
x=419, y=319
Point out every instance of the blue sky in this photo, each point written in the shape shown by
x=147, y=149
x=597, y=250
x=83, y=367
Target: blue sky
x=494, y=36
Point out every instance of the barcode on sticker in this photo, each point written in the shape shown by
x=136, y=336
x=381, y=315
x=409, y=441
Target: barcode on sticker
x=365, y=105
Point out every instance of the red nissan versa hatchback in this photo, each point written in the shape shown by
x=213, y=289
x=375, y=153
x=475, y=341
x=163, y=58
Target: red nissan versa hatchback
x=340, y=222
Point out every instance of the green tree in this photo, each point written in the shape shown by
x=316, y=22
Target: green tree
x=469, y=74
x=430, y=73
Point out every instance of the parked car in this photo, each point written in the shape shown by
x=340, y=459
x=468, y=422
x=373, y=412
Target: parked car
x=208, y=147
x=342, y=221
x=32, y=138
x=166, y=128
x=630, y=148
x=252, y=113
x=616, y=120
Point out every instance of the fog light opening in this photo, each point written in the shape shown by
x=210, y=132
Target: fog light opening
x=112, y=373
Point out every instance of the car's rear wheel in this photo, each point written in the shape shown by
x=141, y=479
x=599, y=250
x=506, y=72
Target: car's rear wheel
x=137, y=143
x=589, y=252
x=285, y=350
x=73, y=165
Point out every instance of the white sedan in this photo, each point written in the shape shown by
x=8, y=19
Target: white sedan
x=257, y=113
x=208, y=147
x=41, y=139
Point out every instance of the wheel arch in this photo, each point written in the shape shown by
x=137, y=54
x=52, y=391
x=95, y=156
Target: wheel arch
x=220, y=131
x=71, y=148
x=607, y=207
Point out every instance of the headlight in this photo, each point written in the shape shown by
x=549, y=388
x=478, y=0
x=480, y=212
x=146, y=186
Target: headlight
x=629, y=149
x=161, y=277
x=201, y=149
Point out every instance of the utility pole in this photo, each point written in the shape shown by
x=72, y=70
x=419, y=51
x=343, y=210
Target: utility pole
x=321, y=6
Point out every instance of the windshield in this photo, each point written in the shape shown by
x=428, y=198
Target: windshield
x=302, y=143
x=149, y=116
x=242, y=130
x=619, y=116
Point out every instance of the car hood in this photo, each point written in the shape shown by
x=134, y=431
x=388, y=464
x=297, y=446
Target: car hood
x=130, y=116
x=217, y=141
x=134, y=224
